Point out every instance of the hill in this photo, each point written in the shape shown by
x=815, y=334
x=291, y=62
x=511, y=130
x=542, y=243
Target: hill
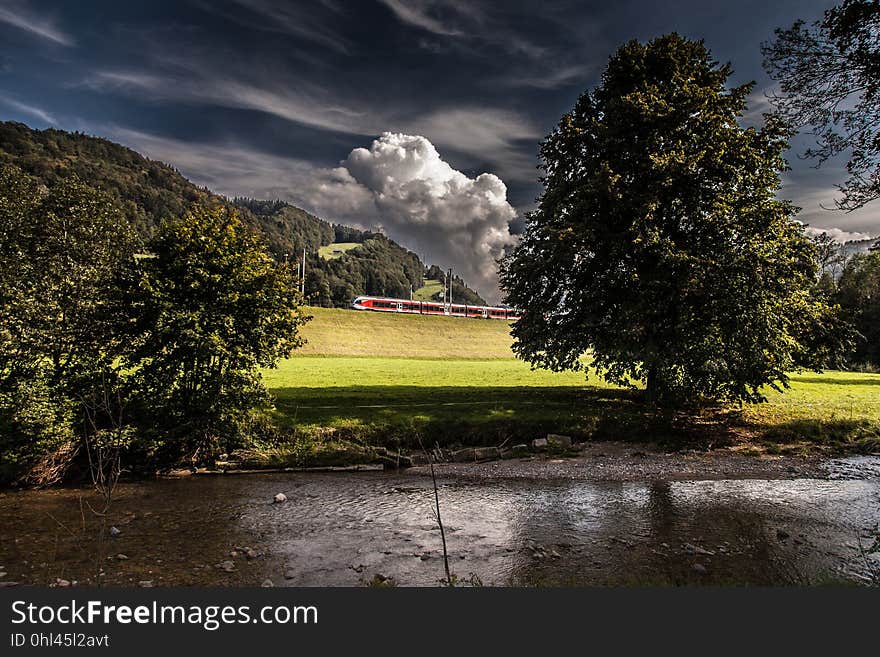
x=334, y=332
x=149, y=191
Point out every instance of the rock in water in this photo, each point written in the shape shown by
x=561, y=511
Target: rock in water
x=464, y=455
x=555, y=440
x=114, y=532
x=267, y=583
x=280, y=498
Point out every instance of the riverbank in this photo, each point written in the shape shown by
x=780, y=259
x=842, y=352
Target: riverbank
x=594, y=461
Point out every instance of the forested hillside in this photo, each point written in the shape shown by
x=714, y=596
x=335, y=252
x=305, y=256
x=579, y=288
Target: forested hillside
x=151, y=191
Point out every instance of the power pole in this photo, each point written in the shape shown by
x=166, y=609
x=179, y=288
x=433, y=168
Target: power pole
x=303, y=282
x=451, y=280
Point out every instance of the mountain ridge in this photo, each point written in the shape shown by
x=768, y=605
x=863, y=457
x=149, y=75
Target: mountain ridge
x=150, y=191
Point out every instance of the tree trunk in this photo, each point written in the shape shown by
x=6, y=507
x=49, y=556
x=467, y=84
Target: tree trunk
x=652, y=387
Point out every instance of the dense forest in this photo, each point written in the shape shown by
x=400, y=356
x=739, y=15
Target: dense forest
x=150, y=191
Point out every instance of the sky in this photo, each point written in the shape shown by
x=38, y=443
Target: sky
x=419, y=116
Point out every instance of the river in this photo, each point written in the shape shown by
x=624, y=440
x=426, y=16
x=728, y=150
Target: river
x=345, y=528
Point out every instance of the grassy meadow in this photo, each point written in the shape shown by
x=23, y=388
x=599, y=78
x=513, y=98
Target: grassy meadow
x=336, y=250
x=428, y=290
x=379, y=379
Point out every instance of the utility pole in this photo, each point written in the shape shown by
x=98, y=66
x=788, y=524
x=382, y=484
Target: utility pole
x=303, y=282
x=451, y=279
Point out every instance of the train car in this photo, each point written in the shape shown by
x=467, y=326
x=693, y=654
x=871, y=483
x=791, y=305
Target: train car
x=389, y=305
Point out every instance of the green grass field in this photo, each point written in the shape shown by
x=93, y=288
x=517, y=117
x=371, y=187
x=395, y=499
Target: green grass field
x=342, y=333
x=428, y=290
x=333, y=251
x=380, y=378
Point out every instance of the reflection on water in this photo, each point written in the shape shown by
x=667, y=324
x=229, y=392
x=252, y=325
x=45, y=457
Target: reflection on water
x=341, y=529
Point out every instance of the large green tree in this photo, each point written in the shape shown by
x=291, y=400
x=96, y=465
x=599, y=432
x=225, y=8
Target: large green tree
x=829, y=74
x=63, y=253
x=658, y=246
x=213, y=308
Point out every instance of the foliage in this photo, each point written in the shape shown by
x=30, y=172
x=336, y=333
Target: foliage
x=461, y=293
x=658, y=243
x=858, y=293
x=287, y=229
x=145, y=190
x=34, y=422
x=829, y=73
x=212, y=309
x=64, y=253
x=378, y=267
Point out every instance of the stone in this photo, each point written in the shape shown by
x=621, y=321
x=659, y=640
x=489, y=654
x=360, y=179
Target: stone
x=146, y=584
x=62, y=583
x=464, y=455
x=114, y=532
x=267, y=584
x=280, y=498
x=486, y=453
x=250, y=554
x=226, y=566
x=539, y=443
x=122, y=557
x=560, y=442
x=699, y=568
x=515, y=451
x=291, y=574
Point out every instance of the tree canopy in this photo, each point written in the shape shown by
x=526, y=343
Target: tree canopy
x=658, y=251
x=211, y=309
x=829, y=74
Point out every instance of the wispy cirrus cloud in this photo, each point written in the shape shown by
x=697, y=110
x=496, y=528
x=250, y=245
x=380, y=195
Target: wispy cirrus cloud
x=302, y=102
x=464, y=23
x=423, y=14
x=30, y=110
x=310, y=23
x=479, y=131
x=18, y=14
x=480, y=135
x=229, y=168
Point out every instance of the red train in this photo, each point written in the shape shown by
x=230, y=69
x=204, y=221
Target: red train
x=387, y=305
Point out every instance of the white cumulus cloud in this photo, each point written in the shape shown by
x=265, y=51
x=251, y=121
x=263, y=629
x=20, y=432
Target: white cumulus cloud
x=402, y=182
x=839, y=235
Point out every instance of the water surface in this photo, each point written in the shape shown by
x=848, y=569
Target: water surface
x=342, y=529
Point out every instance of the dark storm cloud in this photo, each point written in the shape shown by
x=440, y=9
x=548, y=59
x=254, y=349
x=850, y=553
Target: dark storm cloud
x=266, y=97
